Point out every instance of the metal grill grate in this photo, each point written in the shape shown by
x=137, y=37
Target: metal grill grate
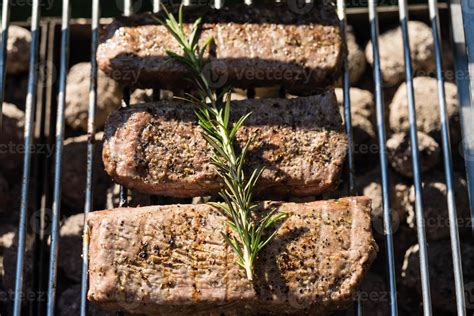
x=41, y=104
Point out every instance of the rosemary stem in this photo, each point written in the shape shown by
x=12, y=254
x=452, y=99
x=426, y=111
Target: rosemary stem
x=247, y=237
x=248, y=263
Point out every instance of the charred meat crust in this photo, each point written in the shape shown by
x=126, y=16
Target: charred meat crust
x=173, y=260
x=157, y=148
x=253, y=46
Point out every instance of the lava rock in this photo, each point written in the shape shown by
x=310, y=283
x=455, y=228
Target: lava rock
x=74, y=173
x=141, y=96
x=435, y=206
x=70, y=247
x=373, y=295
x=370, y=185
x=18, y=50
x=427, y=109
x=399, y=153
x=69, y=304
x=16, y=90
x=441, y=273
x=11, y=141
x=355, y=58
x=9, y=265
x=109, y=96
x=362, y=114
x=4, y=194
x=391, y=52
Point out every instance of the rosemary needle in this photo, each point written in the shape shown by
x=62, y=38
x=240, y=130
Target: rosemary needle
x=220, y=133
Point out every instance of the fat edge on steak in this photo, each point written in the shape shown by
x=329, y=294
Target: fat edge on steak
x=157, y=148
x=173, y=260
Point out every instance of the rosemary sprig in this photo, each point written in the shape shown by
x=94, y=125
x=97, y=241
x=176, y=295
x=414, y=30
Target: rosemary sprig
x=214, y=118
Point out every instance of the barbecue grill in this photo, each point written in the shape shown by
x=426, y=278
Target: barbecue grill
x=45, y=124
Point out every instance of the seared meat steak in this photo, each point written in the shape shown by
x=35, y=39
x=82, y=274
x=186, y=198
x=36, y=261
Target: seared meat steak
x=157, y=148
x=252, y=46
x=173, y=260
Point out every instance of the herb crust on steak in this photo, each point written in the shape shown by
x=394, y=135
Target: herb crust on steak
x=157, y=148
x=173, y=260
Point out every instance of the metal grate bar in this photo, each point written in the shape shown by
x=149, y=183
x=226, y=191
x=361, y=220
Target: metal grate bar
x=420, y=221
x=464, y=95
x=462, y=28
x=88, y=207
x=341, y=12
x=64, y=61
x=380, y=113
x=156, y=6
x=39, y=170
x=448, y=163
x=48, y=40
x=218, y=4
x=127, y=7
x=28, y=134
x=3, y=49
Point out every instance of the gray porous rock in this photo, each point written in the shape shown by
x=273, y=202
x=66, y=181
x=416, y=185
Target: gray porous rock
x=9, y=264
x=435, y=205
x=362, y=115
x=109, y=95
x=391, y=52
x=355, y=58
x=74, y=173
x=18, y=50
x=69, y=304
x=427, y=109
x=11, y=141
x=399, y=153
x=70, y=247
x=370, y=185
x=373, y=295
x=4, y=194
x=441, y=273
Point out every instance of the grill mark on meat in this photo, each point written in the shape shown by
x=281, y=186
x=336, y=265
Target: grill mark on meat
x=157, y=148
x=313, y=265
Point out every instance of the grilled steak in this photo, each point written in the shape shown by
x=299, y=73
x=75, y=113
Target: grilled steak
x=252, y=46
x=165, y=260
x=157, y=148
